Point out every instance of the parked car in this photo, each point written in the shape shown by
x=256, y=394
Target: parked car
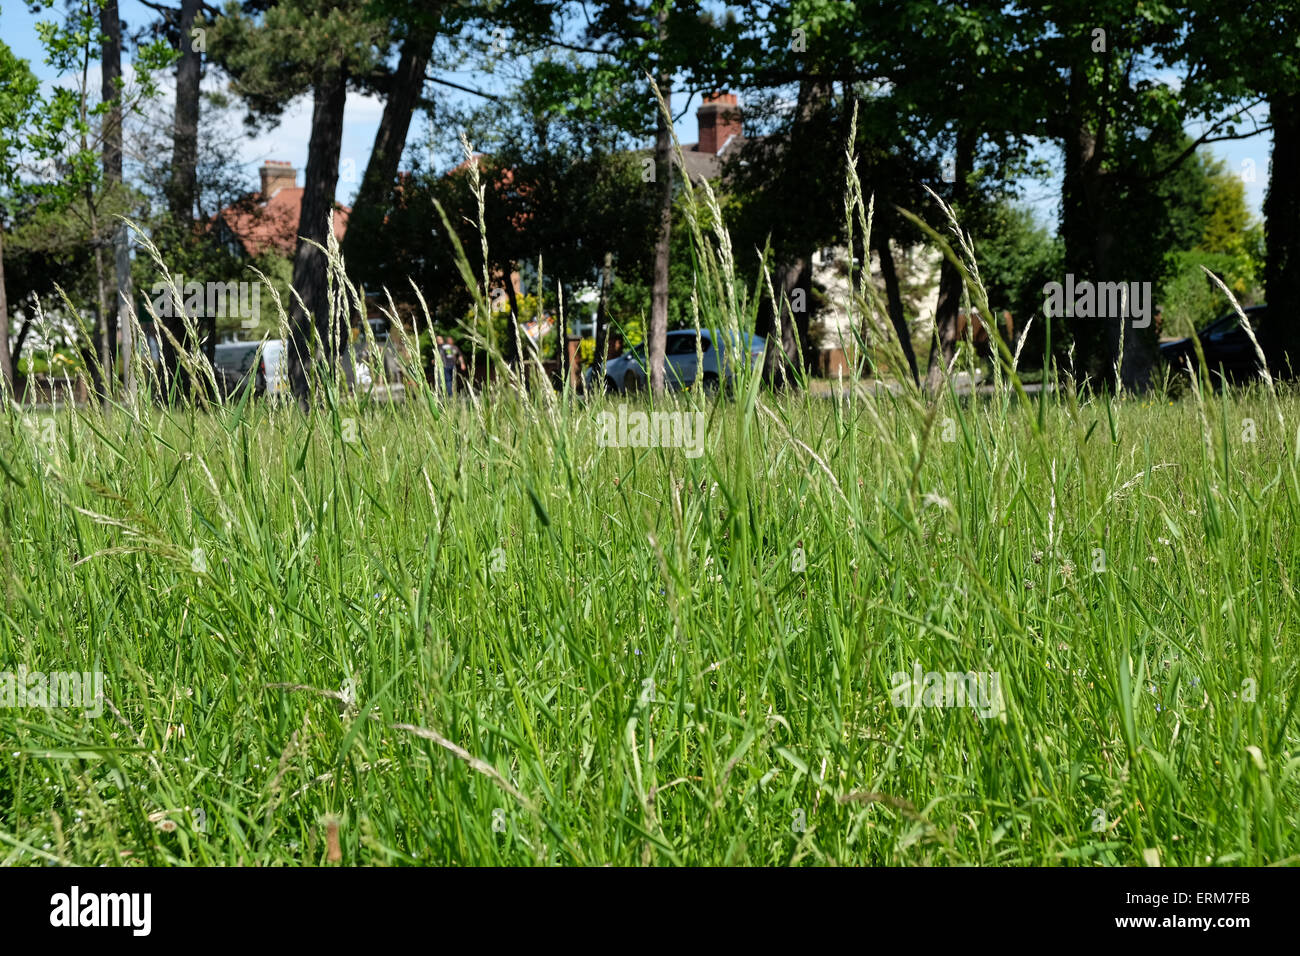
x=261, y=365
x=1229, y=353
x=682, y=366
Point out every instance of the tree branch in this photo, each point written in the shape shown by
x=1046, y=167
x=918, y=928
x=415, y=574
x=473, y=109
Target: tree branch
x=1206, y=138
x=159, y=8
x=456, y=86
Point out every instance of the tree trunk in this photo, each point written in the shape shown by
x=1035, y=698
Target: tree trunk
x=795, y=279
x=390, y=141
x=658, y=331
x=182, y=190
x=125, y=296
x=1089, y=232
x=15, y=353
x=310, y=266
x=515, y=351
x=944, y=344
x=794, y=283
x=100, y=374
x=1282, y=229
x=7, y=360
x=601, y=332
x=185, y=124
x=1077, y=229
x=99, y=368
x=1130, y=350
x=110, y=25
x=894, y=297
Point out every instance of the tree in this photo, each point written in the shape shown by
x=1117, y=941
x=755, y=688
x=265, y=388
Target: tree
x=626, y=43
x=20, y=105
x=1121, y=131
x=917, y=78
x=663, y=203
x=273, y=56
x=1214, y=231
x=1258, y=59
x=416, y=25
x=787, y=197
x=180, y=239
x=185, y=135
x=90, y=185
x=111, y=93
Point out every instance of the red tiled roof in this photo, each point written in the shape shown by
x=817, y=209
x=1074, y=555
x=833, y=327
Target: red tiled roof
x=261, y=223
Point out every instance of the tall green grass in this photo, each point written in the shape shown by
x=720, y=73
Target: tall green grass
x=461, y=631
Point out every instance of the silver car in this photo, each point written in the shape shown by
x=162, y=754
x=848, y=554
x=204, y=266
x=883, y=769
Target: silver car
x=715, y=363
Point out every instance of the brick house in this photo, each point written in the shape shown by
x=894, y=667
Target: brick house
x=268, y=219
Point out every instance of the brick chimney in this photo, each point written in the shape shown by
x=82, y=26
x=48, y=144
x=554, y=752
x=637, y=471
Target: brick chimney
x=719, y=120
x=277, y=175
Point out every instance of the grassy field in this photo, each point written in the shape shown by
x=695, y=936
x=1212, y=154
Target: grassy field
x=468, y=633
x=472, y=632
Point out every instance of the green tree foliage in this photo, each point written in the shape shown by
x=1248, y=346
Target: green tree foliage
x=53, y=171
x=1257, y=61
x=570, y=209
x=1222, y=236
x=20, y=105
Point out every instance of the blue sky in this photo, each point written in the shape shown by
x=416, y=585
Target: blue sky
x=288, y=140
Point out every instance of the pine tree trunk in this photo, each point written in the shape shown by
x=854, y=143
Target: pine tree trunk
x=97, y=354
x=310, y=265
x=125, y=294
x=7, y=360
x=390, y=141
x=110, y=25
x=182, y=193
x=182, y=190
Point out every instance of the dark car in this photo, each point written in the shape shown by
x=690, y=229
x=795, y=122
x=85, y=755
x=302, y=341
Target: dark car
x=238, y=365
x=1229, y=353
